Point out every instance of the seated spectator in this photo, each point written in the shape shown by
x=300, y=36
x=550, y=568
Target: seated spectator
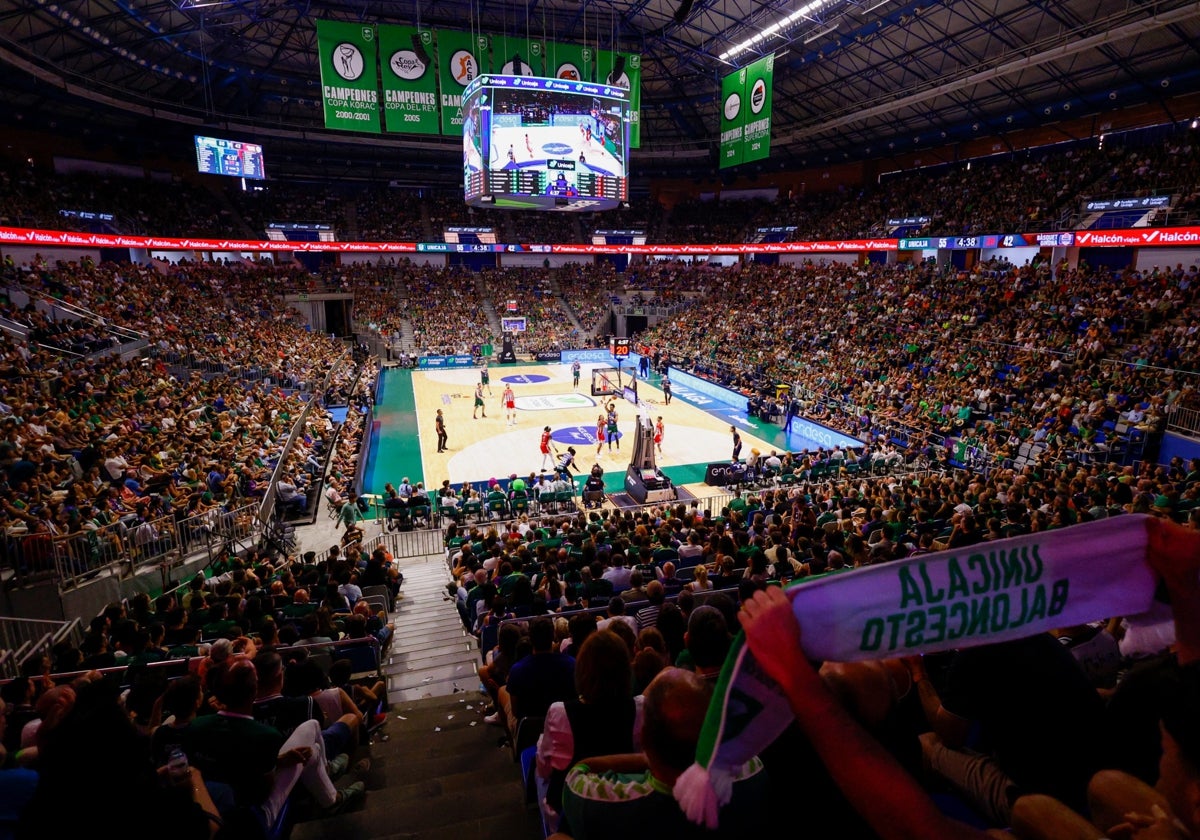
x=260, y=765
x=604, y=796
x=602, y=720
x=537, y=681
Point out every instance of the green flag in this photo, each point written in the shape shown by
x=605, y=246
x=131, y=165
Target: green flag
x=757, y=110
x=570, y=62
x=506, y=49
x=458, y=55
x=733, y=88
x=410, y=102
x=349, y=78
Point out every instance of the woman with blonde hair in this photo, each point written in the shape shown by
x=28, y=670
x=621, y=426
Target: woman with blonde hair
x=700, y=582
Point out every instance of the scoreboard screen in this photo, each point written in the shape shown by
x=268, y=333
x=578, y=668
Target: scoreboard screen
x=545, y=144
x=229, y=157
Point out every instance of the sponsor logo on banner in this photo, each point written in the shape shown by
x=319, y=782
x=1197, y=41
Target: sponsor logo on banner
x=463, y=67
x=569, y=72
x=348, y=61
x=758, y=96
x=407, y=65
x=554, y=402
x=733, y=106
x=546, y=357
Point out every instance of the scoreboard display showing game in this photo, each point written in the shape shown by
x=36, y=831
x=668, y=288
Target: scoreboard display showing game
x=215, y=156
x=545, y=144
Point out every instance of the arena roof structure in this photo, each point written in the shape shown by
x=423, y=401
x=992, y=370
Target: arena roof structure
x=853, y=78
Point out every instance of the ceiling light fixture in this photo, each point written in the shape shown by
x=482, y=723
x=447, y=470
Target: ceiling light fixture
x=804, y=11
x=820, y=34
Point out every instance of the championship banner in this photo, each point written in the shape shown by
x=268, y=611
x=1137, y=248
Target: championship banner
x=349, y=80
x=733, y=88
x=458, y=55
x=508, y=49
x=410, y=100
x=624, y=70
x=976, y=595
x=571, y=62
x=756, y=110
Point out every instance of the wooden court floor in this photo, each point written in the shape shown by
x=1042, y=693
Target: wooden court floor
x=487, y=447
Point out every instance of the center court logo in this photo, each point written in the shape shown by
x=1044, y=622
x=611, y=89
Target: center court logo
x=556, y=148
x=407, y=65
x=554, y=402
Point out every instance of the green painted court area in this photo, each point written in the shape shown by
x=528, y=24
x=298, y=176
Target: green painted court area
x=395, y=448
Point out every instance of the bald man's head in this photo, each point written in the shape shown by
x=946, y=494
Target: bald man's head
x=676, y=702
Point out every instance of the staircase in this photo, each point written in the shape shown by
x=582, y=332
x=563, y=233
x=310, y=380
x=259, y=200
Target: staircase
x=427, y=225
x=432, y=655
x=350, y=213
x=442, y=774
x=488, y=308
x=555, y=287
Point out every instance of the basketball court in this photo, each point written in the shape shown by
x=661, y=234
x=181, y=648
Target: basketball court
x=404, y=442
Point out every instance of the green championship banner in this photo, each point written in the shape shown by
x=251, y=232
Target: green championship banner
x=624, y=70
x=733, y=87
x=757, y=123
x=410, y=101
x=570, y=62
x=349, y=80
x=459, y=61
x=508, y=49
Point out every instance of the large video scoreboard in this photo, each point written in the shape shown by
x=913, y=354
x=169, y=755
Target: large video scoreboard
x=545, y=144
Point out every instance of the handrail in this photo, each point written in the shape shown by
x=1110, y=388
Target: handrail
x=267, y=508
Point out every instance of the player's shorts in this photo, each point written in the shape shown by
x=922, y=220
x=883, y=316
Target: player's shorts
x=510, y=405
x=483, y=377
x=478, y=401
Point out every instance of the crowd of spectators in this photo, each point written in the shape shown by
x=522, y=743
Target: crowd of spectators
x=387, y=214
x=31, y=196
x=589, y=289
x=290, y=201
x=446, y=309
x=111, y=456
x=279, y=625
x=672, y=577
x=1042, y=353
x=548, y=326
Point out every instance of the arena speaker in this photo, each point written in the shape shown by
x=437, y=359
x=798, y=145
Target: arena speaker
x=685, y=9
x=419, y=48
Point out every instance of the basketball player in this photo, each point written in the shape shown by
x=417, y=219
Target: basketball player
x=614, y=434
x=544, y=446
x=510, y=405
x=575, y=374
x=587, y=135
x=737, y=444
x=512, y=158
x=658, y=434
x=479, y=401
x=528, y=147
x=486, y=379
x=600, y=435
